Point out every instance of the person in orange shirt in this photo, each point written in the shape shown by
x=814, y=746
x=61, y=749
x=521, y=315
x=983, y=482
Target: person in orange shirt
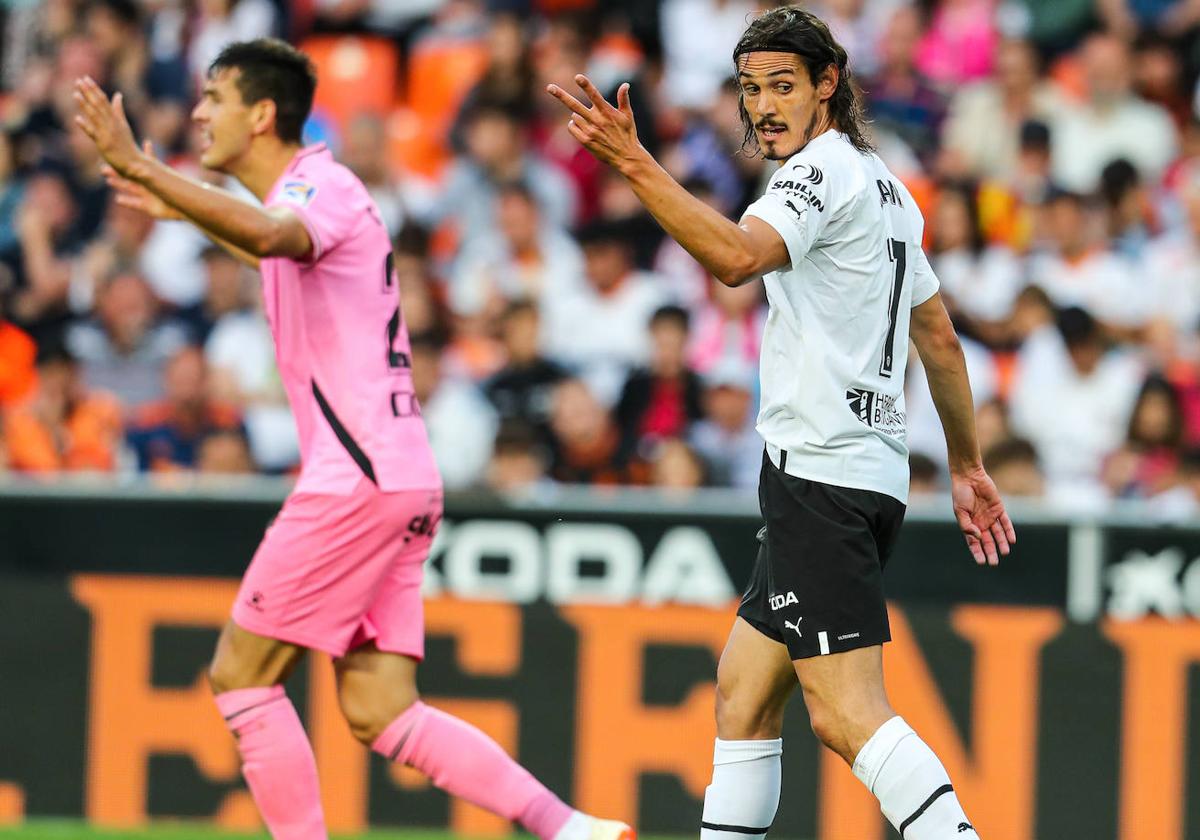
x=60, y=426
x=17, y=356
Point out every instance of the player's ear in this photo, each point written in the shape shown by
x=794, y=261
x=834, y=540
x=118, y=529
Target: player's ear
x=827, y=82
x=262, y=117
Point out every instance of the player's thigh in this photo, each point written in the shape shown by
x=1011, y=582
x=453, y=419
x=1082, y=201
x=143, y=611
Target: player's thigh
x=248, y=660
x=845, y=696
x=374, y=688
x=754, y=681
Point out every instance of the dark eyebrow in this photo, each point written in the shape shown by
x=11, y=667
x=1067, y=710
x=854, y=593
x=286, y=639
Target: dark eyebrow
x=785, y=72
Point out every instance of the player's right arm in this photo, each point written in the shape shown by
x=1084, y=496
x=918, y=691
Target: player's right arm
x=977, y=504
x=137, y=197
x=733, y=253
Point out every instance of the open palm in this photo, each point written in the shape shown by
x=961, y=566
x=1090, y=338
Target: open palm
x=981, y=516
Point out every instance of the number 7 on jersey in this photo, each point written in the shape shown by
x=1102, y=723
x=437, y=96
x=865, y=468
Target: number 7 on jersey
x=898, y=254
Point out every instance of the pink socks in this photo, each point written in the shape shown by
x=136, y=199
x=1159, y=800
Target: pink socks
x=277, y=761
x=466, y=763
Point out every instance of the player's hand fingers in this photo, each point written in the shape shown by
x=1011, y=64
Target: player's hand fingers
x=598, y=100
x=623, y=100
x=92, y=94
x=580, y=133
x=976, y=550
x=1000, y=537
x=86, y=126
x=568, y=100
x=965, y=524
x=131, y=201
x=1009, y=530
x=989, y=547
x=118, y=108
x=148, y=147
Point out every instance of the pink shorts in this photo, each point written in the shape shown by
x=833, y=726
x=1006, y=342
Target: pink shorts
x=335, y=572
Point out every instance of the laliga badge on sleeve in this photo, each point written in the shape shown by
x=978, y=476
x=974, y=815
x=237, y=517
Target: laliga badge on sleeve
x=298, y=193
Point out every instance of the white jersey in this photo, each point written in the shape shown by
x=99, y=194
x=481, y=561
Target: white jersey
x=836, y=341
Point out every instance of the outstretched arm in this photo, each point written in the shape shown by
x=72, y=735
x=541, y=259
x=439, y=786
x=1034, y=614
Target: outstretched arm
x=137, y=197
x=269, y=232
x=733, y=253
x=977, y=504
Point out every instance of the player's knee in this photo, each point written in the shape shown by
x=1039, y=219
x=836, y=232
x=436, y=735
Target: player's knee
x=828, y=726
x=744, y=718
x=369, y=713
x=226, y=674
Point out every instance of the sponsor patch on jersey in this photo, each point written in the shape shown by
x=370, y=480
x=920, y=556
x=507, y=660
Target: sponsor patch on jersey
x=877, y=411
x=299, y=193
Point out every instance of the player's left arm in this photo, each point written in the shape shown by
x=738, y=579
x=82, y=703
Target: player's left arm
x=733, y=253
x=261, y=232
x=977, y=504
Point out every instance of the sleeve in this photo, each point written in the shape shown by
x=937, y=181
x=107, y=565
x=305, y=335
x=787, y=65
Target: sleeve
x=797, y=204
x=924, y=283
x=323, y=207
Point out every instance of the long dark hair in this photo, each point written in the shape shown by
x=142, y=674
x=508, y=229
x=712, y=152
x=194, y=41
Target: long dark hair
x=793, y=30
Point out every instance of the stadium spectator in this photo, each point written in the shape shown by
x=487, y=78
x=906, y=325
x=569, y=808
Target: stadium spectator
x=979, y=281
x=365, y=151
x=167, y=434
x=676, y=468
x=1013, y=465
x=859, y=26
x=521, y=259
x=41, y=259
x=923, y=476
x=221, y=22
x=600, y=329
x=124, y=347
x=1145, y=465
x=522, y=391
x=587, y=441
x=698, y=39
x=1127, y=211
x=12, y=193
x=18, y=354
x=224, y=452
x=61, y=426
x=460, y=421
x=959, y=44
x=983, y=125
x=496, y=155
x=1172, y=261
x=1111, y=122
x=902, y=99
x=519, y=459
x=1075, y=269
x=662, y=399
x=1075, y=408
x=725, y=436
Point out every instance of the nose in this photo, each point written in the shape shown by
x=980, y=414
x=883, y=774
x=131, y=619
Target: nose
x=198, y=112
x=765, y=104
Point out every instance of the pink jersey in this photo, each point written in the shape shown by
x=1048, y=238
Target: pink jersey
x=340, y=338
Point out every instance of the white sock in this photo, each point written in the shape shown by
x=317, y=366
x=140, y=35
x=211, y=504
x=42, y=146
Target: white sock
x=577, y=827
x=911, y=785
x=744, y=794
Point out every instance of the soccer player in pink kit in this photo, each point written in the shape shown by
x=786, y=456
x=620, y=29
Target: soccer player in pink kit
x=340, y=568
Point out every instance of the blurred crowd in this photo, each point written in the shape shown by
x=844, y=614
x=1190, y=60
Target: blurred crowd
x=557, y=336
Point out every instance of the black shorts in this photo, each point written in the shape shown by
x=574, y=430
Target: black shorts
x=817, y=585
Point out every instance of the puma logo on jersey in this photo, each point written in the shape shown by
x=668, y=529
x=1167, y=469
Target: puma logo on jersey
x=795, y=626
x=965, y=827
x=778, y=602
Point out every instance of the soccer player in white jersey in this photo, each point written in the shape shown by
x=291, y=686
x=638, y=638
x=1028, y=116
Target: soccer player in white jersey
x=837, y=239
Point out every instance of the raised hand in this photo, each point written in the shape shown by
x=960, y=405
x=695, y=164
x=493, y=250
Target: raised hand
x=135, y=196
x=608, y=133
x=105, y=123
x=981, y=516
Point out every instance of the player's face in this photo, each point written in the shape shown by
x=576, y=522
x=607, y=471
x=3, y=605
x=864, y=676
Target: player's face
x=226, y=123
x=781, y=100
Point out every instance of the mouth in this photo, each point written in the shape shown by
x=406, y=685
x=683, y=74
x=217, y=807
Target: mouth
x=771, y=132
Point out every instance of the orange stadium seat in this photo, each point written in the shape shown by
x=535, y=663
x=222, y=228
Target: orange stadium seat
x=440, y=72
x=355, y=75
